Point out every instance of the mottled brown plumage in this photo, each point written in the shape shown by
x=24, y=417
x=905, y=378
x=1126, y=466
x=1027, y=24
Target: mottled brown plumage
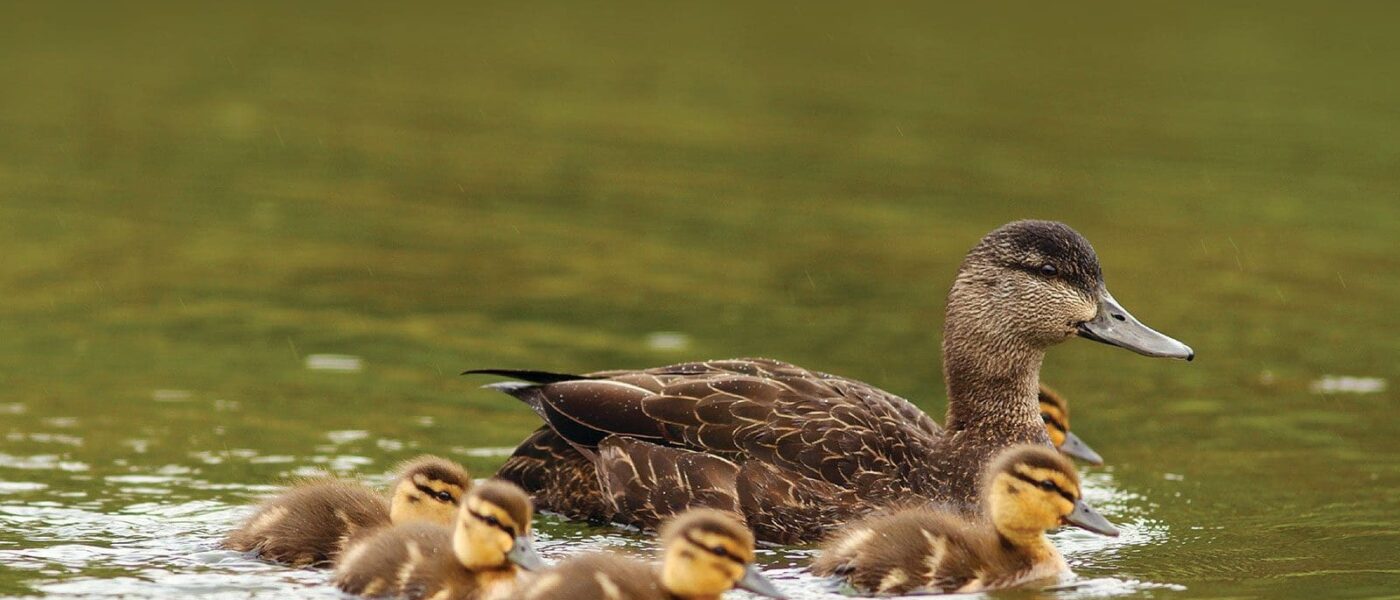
x=704, y=554
x=312, y=522
x=474, y=559
x=797, y=452
x=924, y=549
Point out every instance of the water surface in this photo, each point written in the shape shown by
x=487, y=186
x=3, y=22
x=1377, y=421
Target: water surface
x=252, y=242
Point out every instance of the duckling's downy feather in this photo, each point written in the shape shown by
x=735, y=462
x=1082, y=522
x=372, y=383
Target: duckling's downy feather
x=310, y=523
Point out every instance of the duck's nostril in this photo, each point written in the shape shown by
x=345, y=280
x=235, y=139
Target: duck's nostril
x=1119, y=317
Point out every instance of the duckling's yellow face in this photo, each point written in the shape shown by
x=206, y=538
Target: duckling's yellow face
x=1056, y=422
x=703, y=563
x=487, y=534
x=419, y=497
x=1027, y=500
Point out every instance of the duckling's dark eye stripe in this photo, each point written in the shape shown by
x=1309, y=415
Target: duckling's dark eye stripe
x=492, y=521
x=432, y=493
x=716, y=550
x=1049, y=420
x=1031, y=480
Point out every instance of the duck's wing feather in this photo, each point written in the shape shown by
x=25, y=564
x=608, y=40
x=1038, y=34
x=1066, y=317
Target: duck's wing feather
x=646, y=483
x=559, y=477
x=827, y=428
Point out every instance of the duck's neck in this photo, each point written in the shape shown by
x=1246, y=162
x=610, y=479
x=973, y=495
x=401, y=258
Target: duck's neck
x=993, y=379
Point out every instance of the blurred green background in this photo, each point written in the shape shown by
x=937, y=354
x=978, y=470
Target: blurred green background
x=195, y=199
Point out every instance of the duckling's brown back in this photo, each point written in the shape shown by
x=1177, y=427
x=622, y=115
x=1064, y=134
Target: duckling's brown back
x=597, y=577
x=311, y=523
x=410, y=561
x=910, y=550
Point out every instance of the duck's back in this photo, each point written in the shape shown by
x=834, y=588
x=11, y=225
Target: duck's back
x=311, y=523
x=597, y=577
x=816, y=431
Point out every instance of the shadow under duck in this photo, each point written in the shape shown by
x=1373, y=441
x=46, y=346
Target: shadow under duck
x=705, y=553
x=1028, y=490
x=312, y=522
x=476, y=558
x=797, y=452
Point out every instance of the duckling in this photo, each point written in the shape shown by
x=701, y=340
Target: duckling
x=311, y=523
x=705, y=553
x=1028, y=490
x=475, y=559
x=1055, y=412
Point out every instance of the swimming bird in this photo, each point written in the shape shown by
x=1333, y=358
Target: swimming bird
x=705, y=553
x=1028, y=490
x=312, y=522
x=796, y=451
x=477, y=558
x=1054, y=411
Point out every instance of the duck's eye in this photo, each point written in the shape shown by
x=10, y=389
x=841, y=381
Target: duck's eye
x=1048, y=486
x=1046, y=418
x=443, y=496
x=492, y=521
x=1049, y=270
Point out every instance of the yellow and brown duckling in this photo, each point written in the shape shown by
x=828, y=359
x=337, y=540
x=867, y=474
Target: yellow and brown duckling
x=1055, y=412
x=705, y=553
x=1028, y=490
x=314, y=521
x=476, y=558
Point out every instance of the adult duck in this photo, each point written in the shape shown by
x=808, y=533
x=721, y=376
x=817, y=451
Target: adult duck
x=797, y=452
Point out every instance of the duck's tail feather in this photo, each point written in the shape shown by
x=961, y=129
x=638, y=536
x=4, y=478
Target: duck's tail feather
x=535, y=377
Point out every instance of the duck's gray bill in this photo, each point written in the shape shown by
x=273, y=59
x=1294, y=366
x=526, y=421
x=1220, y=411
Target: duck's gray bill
x=1085, y=517
x=1116, y=326
x=1076, y=448
x=755, y=582
x=523, y=554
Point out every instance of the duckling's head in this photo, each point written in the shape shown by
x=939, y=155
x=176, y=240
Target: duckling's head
x=493, y=529
x=707, y=553
x=428, y=489
x=1054, y=411
x=1031, y=489
x=1038, y=283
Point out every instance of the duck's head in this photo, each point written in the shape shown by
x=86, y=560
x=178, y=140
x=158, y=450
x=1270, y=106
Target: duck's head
x=428, y=489
x=493, y=529
x=1038, y=283
x=1054, y=411
x=1031, y=489
x=707, y=553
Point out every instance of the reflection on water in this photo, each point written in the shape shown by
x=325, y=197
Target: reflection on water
x=131, y=541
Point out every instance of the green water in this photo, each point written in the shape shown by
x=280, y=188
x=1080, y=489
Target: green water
x=195, y=201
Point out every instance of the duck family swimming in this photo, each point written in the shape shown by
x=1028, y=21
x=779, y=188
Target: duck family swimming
x=797, y=452
x=903, y=504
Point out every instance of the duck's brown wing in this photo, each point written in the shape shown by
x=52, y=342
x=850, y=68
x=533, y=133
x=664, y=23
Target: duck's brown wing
x=559, y=478
x=646, y=483
x=826, y=428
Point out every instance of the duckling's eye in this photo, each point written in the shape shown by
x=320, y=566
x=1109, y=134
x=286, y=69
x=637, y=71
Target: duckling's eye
x=1049, y=270
x=492, y=521
x=719, y=551
x=443, y=496
x=1049, y=486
